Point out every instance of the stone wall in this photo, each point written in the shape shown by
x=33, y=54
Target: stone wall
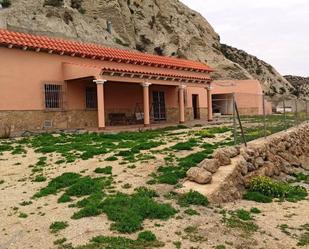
x=278, y=155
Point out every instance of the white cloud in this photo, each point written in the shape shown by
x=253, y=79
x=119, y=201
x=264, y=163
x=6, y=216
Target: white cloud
x=276, y=31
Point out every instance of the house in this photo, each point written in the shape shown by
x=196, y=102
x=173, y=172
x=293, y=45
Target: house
x=53, y=83
x=248, y=95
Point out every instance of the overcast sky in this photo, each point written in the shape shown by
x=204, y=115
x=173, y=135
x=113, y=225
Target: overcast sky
x=276, y=31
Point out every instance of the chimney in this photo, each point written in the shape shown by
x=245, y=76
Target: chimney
x=109, y=26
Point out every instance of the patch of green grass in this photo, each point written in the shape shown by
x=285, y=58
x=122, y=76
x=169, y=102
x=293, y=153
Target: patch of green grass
x=105, y=242
x=257, y=197
x=301, y=177
x=240, y=220
x=111, y=158
x=191, y=212
x=64, y=198
x=147, y=236
x=189, y=145
x=60, y=182
x=128, y=212
x=211, y=132
x=57, y=226
x=192, y=198
x=106, y=170
x=243, y=214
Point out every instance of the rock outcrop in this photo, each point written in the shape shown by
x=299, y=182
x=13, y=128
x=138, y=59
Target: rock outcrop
x=163, y=27
x=300, y=84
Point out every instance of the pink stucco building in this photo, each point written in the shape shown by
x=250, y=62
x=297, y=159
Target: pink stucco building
x=52, y=83
x=248, y=95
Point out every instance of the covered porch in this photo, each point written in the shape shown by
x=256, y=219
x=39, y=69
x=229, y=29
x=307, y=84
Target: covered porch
x=128, y=98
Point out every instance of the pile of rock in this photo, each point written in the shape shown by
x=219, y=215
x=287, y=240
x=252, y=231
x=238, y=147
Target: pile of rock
x=203, y=172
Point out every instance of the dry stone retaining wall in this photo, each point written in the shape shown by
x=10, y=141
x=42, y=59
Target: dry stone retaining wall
x=277, y=155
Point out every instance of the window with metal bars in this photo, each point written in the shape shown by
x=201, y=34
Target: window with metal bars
x=91, y=97
x=53, y=96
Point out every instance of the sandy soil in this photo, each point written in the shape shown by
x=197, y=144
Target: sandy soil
x=33, y=231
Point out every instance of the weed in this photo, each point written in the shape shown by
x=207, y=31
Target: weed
x=106, y=170
x=257, y=196
x=303, y=239
x=192, y=198
x=25, y=203
x=1, y=182
x=111, y=158
x=104, y=242
x=22, y=215
x=129, y=211
x=220, y=247
x=185, y=145
x=255, y=210
x=191, y=212
x=177, y=244
x=57, y=226
x=276, y=189
x=243, y=214
x=39, y=178
x=147, y=236
x=60, y=241
x=126, y=186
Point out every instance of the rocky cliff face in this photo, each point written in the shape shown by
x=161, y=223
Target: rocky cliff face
x=300, y=84
x=164, y=27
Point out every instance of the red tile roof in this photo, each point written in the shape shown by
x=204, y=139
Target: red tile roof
x=79, y=49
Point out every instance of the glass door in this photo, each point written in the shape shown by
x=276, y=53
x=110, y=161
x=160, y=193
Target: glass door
x=158, y=99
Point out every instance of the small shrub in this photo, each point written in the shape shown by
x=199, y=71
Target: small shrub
x=192, y=198
x=243, y=214
x=1, y=182
x=23, y=215
x=191, y=212
x=58, y=225
x=220, y=247
x=64, y=198
x=106, y=170
x=303, y=239
x=60, y=241
x=256, y=196
x=147, y=236
x=25, y=203
x=255, y=210
x=185, y=145
x=276, y=189
x=39, y=178
x=111, y=158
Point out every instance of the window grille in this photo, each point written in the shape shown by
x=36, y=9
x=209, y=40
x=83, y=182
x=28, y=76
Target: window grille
x=53, y=96
x=91, y=98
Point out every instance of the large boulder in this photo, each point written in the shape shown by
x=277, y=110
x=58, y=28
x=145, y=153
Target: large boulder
x=199, y=175
x=211, y=165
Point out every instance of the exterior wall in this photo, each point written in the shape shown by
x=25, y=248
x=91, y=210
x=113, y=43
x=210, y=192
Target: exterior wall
x=24, y=73
x=248, y=95
x=34, y=120
x=202, y=102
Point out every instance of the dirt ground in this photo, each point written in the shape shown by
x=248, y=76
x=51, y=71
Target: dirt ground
x=33, y=231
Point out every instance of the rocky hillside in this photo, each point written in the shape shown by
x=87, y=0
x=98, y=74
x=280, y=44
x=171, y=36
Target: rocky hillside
x=301, y=85
x=164, y=27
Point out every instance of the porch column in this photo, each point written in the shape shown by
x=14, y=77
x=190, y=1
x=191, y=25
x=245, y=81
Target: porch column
x=146, y=103
x=100, y=98
x=209, y=103
x=181, y=104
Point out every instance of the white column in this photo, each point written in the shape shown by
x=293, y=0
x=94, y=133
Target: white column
x=181, y=104
x=146, y=103
x=209, y=102
x=100, y=98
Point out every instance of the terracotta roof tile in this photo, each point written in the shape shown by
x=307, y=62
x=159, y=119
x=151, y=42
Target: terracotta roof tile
x=89, y=50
